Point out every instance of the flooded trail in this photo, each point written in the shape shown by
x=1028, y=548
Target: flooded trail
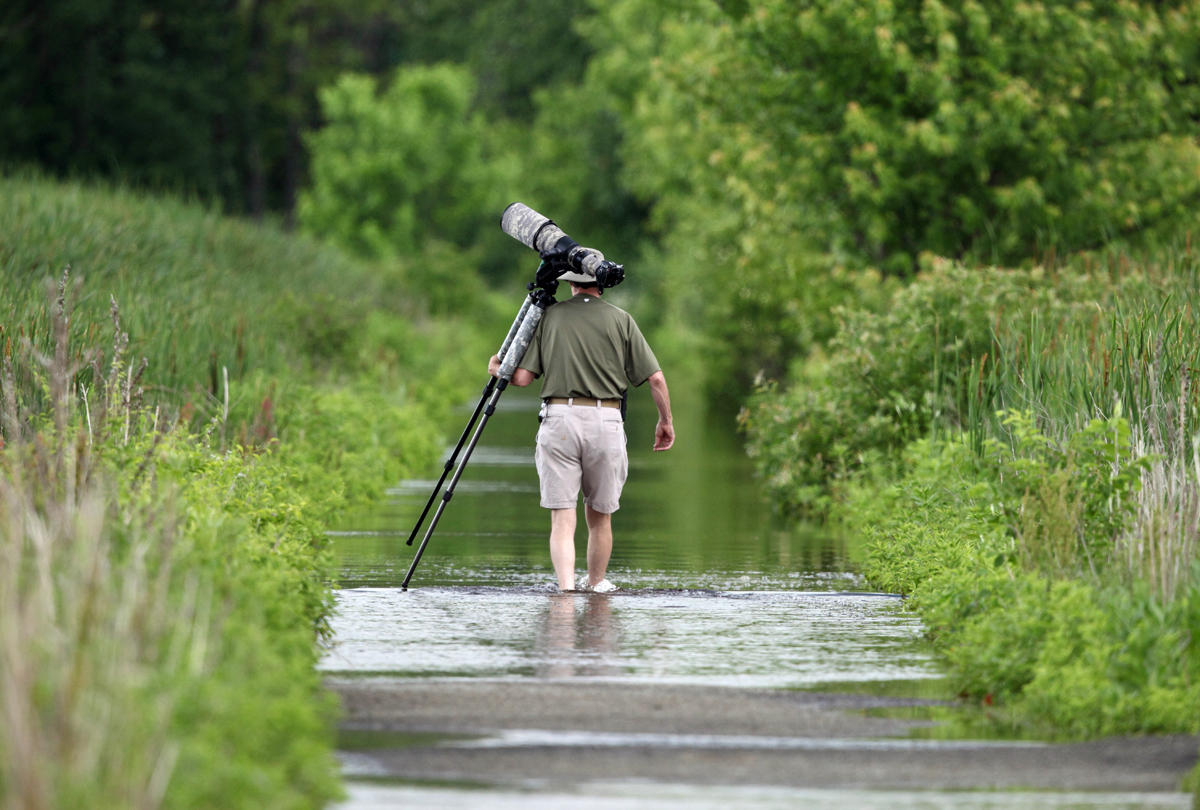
x=742, y=663
x=761, y=639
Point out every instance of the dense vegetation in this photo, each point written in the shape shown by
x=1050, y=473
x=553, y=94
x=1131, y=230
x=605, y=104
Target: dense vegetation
x=183, y=416
x=1019, y=449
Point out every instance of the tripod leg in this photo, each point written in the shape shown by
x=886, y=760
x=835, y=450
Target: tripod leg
x=449, y=493
x=487, y=391
x=517, y=342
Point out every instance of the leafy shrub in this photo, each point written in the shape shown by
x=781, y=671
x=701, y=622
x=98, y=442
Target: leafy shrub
x=1068, y=505
x=890, y=376
x=345, y=444
x=255, y=724
x=401, y=164
x=1065, y=648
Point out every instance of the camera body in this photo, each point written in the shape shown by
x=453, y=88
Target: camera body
x=560, y=253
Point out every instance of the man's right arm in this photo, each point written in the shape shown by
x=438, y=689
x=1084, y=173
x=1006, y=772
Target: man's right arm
x=664, y=431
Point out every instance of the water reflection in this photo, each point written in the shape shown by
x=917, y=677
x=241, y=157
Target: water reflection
x=758, y=639
x=578, y=637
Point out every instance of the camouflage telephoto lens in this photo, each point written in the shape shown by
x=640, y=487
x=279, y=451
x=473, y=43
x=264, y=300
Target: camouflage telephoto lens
x=533, y=230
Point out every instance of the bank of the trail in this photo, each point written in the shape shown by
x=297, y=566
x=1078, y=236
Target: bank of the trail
x=510, y=734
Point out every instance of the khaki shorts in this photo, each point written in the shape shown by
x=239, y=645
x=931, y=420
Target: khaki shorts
x=581, y=447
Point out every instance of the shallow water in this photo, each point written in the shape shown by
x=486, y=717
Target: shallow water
x=727, y=638
x=691, y=517
x=714, y=591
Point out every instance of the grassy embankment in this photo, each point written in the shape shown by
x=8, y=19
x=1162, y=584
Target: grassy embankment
x=182, y=420
x=1021, y=451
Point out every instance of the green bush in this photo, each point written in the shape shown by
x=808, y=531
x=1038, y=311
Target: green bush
x=1067, y=505
x=255, y=724
x=1065, y=648
x=399, y=165
x=891, y=375
x=346, y=444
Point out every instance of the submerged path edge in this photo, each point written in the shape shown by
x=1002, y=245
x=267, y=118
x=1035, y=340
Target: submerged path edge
x=517, y=733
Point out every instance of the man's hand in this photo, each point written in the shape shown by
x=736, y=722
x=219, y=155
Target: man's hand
x=664, y=435
x=494, y=365
x=664, y=431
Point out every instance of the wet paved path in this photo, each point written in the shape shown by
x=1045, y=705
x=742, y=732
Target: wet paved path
x=563, y=735
x=492, y=697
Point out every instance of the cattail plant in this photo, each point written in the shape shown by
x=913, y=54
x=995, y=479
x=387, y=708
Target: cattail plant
x=1163, y=543
x=1131, y=355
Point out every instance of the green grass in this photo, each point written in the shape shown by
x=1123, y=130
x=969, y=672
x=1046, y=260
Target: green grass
x=203, y=296
x=165, y=573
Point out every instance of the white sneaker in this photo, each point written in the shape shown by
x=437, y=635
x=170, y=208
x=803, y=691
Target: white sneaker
x=603, y=586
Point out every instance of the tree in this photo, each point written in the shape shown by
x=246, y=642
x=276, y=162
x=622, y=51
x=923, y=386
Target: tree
x=399, y=166
x=986, y=131
x=142, y=90
x=785, y=148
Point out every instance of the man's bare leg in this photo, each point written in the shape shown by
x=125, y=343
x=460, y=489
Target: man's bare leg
x=599, y=547
x=562, y=546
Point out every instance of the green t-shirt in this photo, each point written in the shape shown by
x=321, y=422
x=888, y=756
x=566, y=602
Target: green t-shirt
x=585, y=347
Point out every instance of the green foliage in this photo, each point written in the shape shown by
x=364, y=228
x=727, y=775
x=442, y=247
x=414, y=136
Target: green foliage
x=955, y=347
x=164, y=655
x=516, y=48
x=1118, y=660
x=785, y=149
x=134, y=89
x=977, y=131
x=1064, y=654
x=200, y=294
x=1069, y=505
x=208, y=101
x=256, y=729
x=349, y=442
x=190, y=554
x=1033, y=538
x=734, y=267
x=396, y=167
x=890, y=373
x=570, y=170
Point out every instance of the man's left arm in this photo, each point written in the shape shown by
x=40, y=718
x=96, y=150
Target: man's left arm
x=664, y=431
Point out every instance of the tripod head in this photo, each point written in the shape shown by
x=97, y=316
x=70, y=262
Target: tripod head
x=560, y=253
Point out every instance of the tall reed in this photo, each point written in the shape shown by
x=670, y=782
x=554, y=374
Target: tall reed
x=1134, y=352
x=96, y=617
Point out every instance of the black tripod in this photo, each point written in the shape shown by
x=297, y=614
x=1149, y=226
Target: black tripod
x=520, y=334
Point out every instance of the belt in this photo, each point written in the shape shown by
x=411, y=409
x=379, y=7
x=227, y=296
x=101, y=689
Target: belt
x=589, y=402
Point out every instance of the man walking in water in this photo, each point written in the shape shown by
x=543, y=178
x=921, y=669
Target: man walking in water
x=587, y=352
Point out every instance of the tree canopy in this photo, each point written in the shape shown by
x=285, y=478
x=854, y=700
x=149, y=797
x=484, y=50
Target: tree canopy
x=760, y=158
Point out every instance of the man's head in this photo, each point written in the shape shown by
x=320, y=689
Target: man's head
x=582, y=282
x=593, y=288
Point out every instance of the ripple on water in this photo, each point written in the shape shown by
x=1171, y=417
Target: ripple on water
x=760, y=639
